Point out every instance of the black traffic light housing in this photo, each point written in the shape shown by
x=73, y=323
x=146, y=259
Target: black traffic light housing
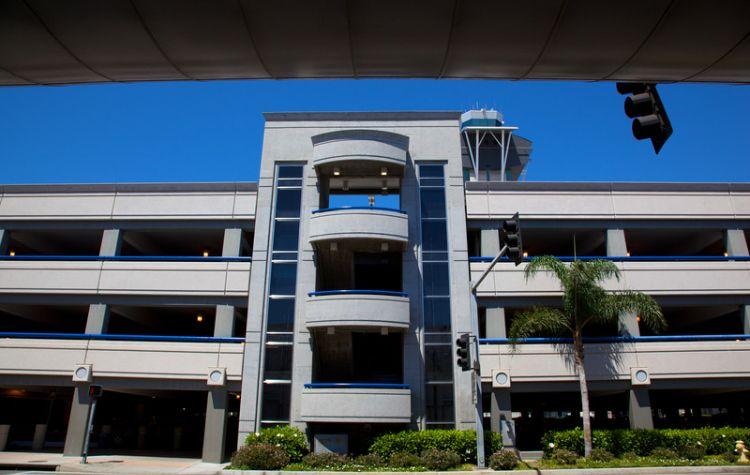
x=512, y=238
x=95, y=392
x=644, y=106
x=463, y=352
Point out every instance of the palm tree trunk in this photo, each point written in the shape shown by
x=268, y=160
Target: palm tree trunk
x=586, y=413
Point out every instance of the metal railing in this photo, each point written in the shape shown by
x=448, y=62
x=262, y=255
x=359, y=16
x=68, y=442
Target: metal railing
x=118, y=337
x=347, y=208
x=38, y=257
x=356, y=385
x=617, y=339
x=389, y=293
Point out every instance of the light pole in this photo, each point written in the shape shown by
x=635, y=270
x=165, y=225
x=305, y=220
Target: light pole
x=514, y=248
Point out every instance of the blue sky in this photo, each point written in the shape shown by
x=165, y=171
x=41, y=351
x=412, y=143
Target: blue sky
x=212, y=131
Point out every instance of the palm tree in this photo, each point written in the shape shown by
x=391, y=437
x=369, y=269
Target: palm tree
x=584, y=302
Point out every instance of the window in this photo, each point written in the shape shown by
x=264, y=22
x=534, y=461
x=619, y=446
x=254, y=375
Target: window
x=277, y=370
x=438, y=347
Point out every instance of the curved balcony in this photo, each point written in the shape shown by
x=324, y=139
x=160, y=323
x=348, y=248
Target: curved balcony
x=370, y=223
x=357, y=308
x=358, y=150
x=356, y=402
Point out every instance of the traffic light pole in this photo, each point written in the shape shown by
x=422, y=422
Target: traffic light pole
x=476, y=374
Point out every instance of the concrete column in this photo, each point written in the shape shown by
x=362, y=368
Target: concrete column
x=224, y=324
x=111, y=242
x=616, y=245
x=735, y=242
x=628, y=325
x=77, y=422
x=745, y=316
x=489, y=243
x=232, y=242
x=98, y=318
x=215, y=430
x=4, y=239
x=4, y=431
x=495, y=322
x=639, y=409
x=40, y=433
x=501, y=416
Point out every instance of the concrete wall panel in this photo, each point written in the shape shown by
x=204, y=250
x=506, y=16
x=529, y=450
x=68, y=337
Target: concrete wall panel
x=357, y=310
x=356, y=405
x=605, y=362
x=359, y=224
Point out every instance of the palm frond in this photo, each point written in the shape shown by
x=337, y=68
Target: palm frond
x=641, y=304
x=547, y=263
x=596, y=270
x=539, y=321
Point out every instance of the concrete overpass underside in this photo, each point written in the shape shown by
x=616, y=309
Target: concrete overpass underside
x=95, y=41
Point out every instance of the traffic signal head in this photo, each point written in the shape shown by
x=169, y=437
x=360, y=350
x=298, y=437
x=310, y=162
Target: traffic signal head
x=644, y=106
x=463, y=352
x=512, y=238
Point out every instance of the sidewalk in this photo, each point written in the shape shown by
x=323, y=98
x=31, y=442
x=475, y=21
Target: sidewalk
x=107, y=464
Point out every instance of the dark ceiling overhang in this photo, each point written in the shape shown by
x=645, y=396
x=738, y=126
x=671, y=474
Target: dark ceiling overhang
x=93, y=41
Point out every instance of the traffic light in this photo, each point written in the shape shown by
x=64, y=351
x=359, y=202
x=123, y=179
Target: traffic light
x=512, y=238
x=644, y=106
x=463, y=352
x=95, y=392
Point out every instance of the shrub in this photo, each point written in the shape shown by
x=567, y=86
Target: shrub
x=692, y=452
x=260, y=456
x=322, y=460
x=601, y=455
x=436, y=459
x=715, y=440
x=369, y=460
x=291, y=440
x=564, y=457
x=664, y=453
x=462, y=442
x=629, y=455
x=503, y=460
x=403, y=460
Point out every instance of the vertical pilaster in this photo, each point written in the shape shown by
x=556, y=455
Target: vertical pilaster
x=495, y=322
x=735, y=242
x=4, y=239
x=111, y=242
x=745, y=316
x=215, y=429
x=98, y=318
x=224, y=324
x=616, y=246
x=639, y=409
x=77, y=422
x=501, y=416
x=489, y=242
x=232, y=242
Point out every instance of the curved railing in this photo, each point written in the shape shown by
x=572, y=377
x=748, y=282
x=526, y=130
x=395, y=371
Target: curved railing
x=118, y=337
x=357, y=308
x=629, y=258
x=389, y=293
x=618, y=339
x=346, y=208
x=356, y=385
x=126, y=258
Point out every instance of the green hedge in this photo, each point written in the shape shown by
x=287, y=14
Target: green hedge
x=290, y=439
x=463, y=442
x=618, y=441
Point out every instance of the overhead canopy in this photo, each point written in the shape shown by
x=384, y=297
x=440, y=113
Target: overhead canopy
x=88, y=41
